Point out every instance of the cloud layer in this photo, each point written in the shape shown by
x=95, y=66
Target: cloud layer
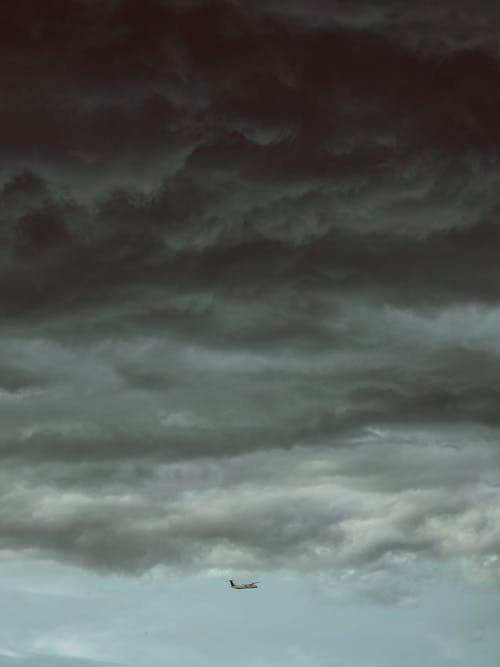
x=249, y=286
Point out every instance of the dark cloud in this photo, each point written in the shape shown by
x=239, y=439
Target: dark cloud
x=18, y=379
x=249, y=285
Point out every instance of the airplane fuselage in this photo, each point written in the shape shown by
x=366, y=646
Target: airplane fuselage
x=242, y=587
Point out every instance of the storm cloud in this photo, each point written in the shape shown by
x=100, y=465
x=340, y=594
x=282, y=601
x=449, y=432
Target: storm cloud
x=249, y=284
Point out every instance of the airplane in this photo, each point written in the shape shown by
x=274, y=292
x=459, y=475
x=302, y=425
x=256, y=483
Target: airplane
x=243, y=586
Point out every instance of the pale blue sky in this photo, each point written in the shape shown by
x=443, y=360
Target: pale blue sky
x=57, y=615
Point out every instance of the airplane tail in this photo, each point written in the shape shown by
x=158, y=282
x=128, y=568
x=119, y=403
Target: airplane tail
x=232, y=583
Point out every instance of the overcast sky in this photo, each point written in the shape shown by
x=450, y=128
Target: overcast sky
x=250, y=316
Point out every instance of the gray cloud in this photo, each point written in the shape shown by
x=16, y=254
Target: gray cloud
x=307, y=510
x=249, y=287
